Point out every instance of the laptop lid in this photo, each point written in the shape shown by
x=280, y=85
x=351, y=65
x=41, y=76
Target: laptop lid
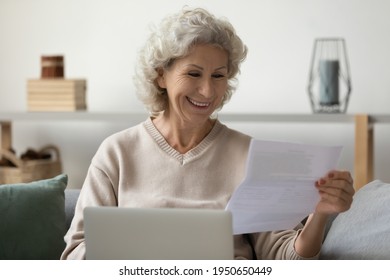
x=158, y=233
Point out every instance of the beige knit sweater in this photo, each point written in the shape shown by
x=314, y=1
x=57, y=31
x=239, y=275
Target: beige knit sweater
x=137, y=168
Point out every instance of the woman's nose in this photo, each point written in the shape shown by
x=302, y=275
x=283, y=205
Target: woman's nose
x=206, y=88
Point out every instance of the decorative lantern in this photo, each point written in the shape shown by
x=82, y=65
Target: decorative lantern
x=329, y=80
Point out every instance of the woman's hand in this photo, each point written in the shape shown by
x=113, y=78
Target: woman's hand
x=336, y=192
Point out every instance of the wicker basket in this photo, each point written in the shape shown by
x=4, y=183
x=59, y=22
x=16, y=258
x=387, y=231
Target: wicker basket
x=30, y=170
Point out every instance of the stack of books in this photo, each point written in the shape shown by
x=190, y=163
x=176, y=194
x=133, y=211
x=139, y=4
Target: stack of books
x=56, y=94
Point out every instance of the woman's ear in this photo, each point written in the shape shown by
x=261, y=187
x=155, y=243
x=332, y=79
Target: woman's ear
x=161, y=79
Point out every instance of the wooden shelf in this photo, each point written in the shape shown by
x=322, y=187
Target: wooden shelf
x=70, y=116
x=364, y=126
x=231, y=117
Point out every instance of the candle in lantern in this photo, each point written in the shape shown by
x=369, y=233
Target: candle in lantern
x=329, y=82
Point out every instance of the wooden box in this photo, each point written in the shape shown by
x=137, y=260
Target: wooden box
x=56, y=95
x=52, y=66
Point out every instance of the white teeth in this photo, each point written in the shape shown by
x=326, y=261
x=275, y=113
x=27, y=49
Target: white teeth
x=200, y=104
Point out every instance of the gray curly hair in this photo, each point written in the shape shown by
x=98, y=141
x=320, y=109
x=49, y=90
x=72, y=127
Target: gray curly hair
x=173, y=39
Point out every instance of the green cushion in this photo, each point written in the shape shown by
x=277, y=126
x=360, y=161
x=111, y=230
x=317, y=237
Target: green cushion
x=32, y=219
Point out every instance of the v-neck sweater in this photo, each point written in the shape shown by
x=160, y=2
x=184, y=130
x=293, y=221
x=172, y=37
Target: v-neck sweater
x=186, y=157
x=137, y=167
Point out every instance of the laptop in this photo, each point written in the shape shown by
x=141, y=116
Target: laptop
x=113, y=233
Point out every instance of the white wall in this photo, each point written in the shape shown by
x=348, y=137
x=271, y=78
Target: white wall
x=100, y=39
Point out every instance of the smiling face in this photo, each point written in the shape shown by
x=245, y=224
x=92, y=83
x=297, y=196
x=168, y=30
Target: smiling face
x=196, y=83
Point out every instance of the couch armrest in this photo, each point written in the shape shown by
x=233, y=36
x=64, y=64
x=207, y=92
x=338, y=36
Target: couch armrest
x=71, y=196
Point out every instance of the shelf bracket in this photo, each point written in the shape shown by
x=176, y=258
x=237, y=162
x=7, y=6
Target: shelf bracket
x=364, y=151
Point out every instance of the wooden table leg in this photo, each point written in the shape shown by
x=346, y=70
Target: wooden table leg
x=364, y=151
x=5, y=134
x=6, y=139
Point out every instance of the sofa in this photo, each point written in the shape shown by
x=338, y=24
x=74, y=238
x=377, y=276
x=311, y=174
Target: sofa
x=35, y=216
x=362, y=232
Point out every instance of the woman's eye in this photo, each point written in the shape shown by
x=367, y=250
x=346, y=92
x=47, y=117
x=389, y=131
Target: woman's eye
x=194, y=74
x=218, y=76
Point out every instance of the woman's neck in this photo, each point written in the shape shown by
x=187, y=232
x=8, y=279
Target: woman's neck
x=182, y=135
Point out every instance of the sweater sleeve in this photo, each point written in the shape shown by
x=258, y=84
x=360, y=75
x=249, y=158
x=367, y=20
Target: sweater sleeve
x=276, y=245
x=97, y=190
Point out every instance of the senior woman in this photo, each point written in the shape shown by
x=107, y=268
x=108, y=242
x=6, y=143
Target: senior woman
x=182, y=156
